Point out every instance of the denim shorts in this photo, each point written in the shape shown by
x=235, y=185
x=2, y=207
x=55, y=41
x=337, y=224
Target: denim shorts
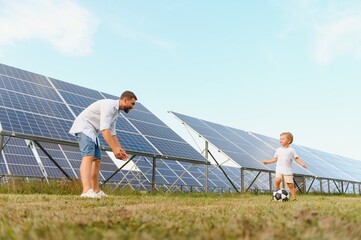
x=88, y=147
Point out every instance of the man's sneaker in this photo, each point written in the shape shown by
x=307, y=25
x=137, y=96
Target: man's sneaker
x=101, y=194
x=89, y=194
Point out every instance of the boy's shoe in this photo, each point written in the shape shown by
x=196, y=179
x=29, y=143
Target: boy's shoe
x=101, y=194
x=89, y=194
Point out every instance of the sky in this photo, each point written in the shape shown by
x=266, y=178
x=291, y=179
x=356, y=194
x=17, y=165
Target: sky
x=261, y=66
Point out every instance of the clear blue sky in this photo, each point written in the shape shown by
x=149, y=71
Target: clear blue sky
x=261, y=66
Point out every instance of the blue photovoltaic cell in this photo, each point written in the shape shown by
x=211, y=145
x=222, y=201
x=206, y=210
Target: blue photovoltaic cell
x=355, y=168
x=76, y=110
x=123, y=125
x=20, y=159
x=153, y=130
x=24, y=75
x=57, y=154
x=132, y=142
x=143, y=116
x=341, y=168
x=39, y=106
x=36, y=125
x=25, y=170
x=21, y=86
x=316, y=165
x=78, y=90
x=3, y=170
x=34, y=105
x=228, y=142
x=77, y=100
x=176, y=149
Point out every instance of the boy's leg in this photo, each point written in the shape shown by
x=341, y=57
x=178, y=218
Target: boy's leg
x=277, y=183
x=278, y=179
x=95, y=175
x=292, y=190
x=85, y=172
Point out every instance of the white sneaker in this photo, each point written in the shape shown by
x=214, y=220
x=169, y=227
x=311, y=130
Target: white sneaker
x=89, y=194
x=101, y=194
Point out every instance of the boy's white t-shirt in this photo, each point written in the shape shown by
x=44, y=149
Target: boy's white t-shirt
x=285, y=156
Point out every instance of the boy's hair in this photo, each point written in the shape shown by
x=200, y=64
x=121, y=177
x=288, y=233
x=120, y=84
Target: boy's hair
x=128, y=95
x=290, y=136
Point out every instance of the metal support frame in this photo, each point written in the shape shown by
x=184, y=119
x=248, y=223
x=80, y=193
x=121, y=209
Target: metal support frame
x=153, y=173
x=52, y=159
x=321, y=185
x=348, y=183
x=225, y=174
x=329, y=187
x=206, y=168
x=336, y=186
x=2, y=145
x=342, y=187
x=309, y=188
x=242, y=180
x=130, y=159
x=297, y=187
x=37, y=139
x=253, y=181
x=270, y=181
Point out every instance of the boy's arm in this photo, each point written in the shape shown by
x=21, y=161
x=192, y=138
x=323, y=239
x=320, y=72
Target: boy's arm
x=299, y=161
x=269, y=161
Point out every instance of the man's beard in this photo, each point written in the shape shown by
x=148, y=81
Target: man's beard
x=126, y=110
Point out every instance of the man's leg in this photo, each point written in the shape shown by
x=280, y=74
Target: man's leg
x=85, y=172
x=95, y=175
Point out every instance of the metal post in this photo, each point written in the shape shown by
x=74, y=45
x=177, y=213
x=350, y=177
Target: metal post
x=206, y=168
x=329, y=188
x=321, y=185
x=2, y=146
x=242, y=180
x=342, y=190
x=304, y=184
x=270, y=181
x=153, y=174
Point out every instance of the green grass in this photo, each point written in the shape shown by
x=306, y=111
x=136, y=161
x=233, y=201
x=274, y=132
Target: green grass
x=25, y=214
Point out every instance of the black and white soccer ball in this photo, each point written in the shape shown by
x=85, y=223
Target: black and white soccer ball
x=281, y=195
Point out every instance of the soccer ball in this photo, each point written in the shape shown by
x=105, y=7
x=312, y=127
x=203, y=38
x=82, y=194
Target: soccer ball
x=281, y=195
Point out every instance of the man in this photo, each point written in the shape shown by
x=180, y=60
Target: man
x=99, y=117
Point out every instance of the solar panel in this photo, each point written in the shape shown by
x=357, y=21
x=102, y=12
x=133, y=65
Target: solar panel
x=36, y=105
x=20, y=160
x=45, y=108
x=249, y=149
x=230, y=143
x=318, y=166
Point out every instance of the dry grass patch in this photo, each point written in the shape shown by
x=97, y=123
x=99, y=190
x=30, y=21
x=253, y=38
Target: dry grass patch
x=178, y=216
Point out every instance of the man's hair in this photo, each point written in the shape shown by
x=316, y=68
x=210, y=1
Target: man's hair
x=128, y=95
x=290, y=136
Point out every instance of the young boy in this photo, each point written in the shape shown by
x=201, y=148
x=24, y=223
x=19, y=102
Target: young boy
x=284, y=156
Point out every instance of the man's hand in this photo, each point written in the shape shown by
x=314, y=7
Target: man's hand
x=119, y=153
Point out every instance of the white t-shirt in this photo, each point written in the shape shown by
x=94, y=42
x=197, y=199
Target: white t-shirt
x=285, y=156
x=100, y=115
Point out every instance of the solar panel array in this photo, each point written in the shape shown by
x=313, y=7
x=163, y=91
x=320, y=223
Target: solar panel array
x=36, y=105
x=248, y=150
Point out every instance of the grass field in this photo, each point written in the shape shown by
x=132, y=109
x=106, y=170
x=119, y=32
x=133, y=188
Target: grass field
x=57, y=212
